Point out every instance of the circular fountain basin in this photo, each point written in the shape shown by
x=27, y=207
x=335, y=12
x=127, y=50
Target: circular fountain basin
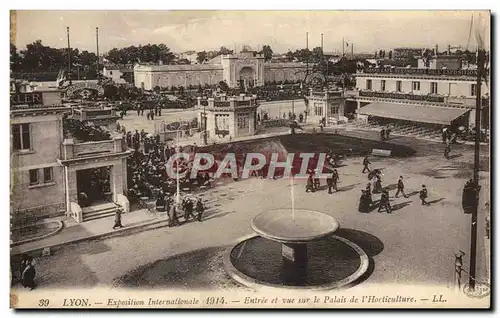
x=295, y=251
x=299, y=226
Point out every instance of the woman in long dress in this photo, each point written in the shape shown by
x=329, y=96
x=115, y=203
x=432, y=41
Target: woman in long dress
x=28, y=275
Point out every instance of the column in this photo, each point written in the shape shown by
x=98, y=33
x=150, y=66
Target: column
x=358, y=106
x=71, y=184
x=116, y=180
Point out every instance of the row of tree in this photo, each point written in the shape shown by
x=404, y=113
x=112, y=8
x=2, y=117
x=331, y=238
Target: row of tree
x=37, y=57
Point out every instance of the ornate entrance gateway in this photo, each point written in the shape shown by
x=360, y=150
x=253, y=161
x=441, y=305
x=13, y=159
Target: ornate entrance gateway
x=247, y=75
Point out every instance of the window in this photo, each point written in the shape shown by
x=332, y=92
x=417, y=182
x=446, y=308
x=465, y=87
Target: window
x=318, y=109
x=243, y=121
x=47, y=175
x=382, y=85
x=21, y=136
x=416, y=86
x=33, y=176
x=334, y=109
x=398, y=86
x=369, y=84
x=434, y=88
x=473, y=90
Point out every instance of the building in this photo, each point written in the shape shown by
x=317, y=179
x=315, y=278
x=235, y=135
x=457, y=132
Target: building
x=418, y=96
x=451, y=62
x=405, y=53
x=327, y=104
x=244, y=69
x=37, y=180
x=50, y=167
x=230, y=117
x=119, y=75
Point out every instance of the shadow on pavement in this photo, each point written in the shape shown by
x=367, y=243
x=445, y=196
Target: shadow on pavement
x=435, y=201
x=399, y=206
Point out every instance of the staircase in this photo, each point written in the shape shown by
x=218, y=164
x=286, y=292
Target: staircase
x=100, y=211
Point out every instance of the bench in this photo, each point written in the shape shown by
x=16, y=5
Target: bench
x=381, y=152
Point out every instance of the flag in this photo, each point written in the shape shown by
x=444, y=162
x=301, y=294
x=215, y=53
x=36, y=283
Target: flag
x=347, y=44
x=61, y=78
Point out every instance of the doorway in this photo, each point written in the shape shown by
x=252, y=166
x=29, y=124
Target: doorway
x=94, y=186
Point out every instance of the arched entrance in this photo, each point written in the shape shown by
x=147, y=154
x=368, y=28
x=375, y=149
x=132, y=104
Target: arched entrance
x=247, y=77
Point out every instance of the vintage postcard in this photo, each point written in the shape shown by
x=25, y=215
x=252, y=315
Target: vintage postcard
x=250, y=159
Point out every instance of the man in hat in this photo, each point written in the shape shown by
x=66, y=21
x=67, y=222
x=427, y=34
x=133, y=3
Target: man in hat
x=384, y=202
x=366, y=162
x=118, y=219
x=309, y=184
x=401, y=187
x=423, y=195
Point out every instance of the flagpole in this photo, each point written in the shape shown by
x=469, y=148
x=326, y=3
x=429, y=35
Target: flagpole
x=343, y=47
x=69, y=56
x=97, y=44
x=178, y=196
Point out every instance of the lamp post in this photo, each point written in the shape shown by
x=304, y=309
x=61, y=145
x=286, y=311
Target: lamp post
x=481, y=55
x=205, y=125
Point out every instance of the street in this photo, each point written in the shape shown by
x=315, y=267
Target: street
x=414, y=245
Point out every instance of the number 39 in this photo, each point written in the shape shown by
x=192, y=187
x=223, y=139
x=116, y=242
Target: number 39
x=43, y=303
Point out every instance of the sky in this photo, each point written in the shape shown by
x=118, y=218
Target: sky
x=283, y=30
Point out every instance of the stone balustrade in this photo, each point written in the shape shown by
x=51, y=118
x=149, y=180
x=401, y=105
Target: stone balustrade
x=227, y=103
x=419, y=71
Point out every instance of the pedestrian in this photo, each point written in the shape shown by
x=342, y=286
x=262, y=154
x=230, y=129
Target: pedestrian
x=199, y=209
x=401, y=187
x=423, y=195
x=335, y=179
x=309, y=184
x=28, y=274
x=118, y=219
x=444, y=135
x=172, y=215
x=188, y=209
x=384, y=202
x=377, y=187
x=387, y=132
x=368, y=189
x=148, y=115
x=329, y=183
x=447, y=150
x=316, y=179
x=366, y=162
x=382, y=134
x=364, y=202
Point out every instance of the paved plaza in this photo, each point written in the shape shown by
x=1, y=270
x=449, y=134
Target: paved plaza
x=415, y=244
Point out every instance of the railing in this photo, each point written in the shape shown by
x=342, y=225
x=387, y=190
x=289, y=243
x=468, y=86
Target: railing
x=426, y=98
x=222, y=103
x=48, y=107
x=420, y=71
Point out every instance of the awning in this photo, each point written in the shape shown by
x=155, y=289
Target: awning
x=416, y=113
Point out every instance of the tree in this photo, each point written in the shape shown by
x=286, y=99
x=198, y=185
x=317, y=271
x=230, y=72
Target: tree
x=267, y=52
x=317, y=54
x=290, y=56
x=156, y=89
x=225, y=51
x=223, y=86
x=202, y=57
x=381, y=54
x=15, y=58
x=390, y=55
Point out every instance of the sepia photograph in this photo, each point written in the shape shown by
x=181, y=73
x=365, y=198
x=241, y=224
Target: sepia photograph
x=250, y=159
